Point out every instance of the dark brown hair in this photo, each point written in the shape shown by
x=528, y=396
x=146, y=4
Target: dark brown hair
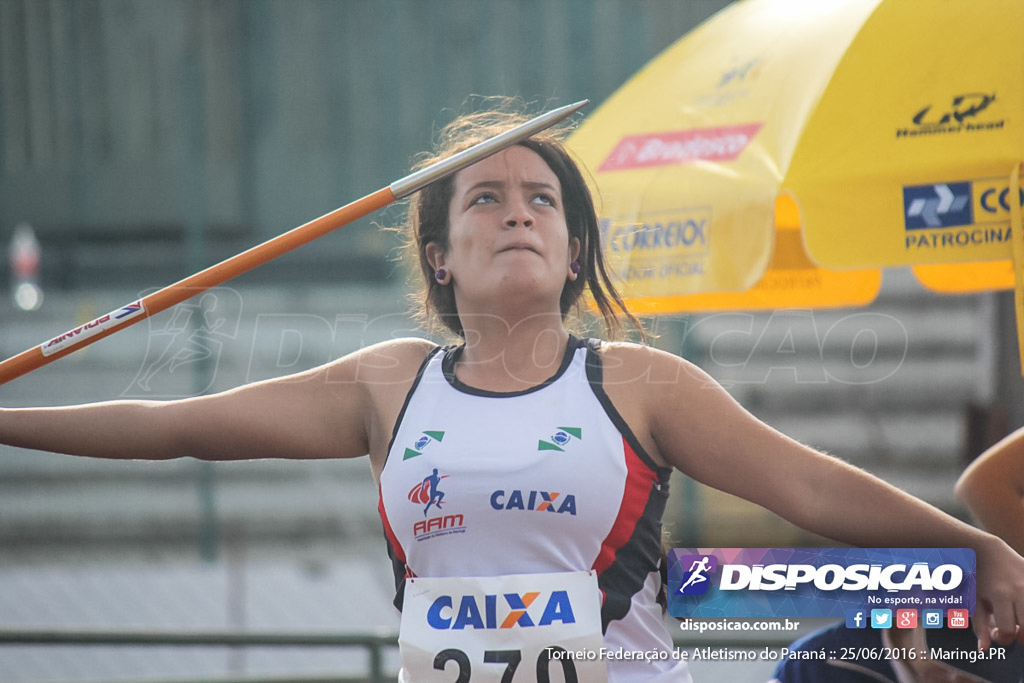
x=427, y=221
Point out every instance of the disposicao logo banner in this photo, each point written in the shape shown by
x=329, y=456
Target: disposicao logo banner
x=817, y=582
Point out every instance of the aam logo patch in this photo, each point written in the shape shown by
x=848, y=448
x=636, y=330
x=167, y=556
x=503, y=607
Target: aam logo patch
x=428, y=492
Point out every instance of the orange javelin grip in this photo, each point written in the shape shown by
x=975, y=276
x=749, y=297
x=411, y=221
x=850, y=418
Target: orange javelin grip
x=127, y=315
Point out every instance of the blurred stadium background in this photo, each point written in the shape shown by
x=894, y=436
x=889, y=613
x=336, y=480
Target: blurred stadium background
x=143, y=141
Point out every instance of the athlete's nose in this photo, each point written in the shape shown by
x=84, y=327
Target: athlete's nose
x=519, y=214
x=513, y=222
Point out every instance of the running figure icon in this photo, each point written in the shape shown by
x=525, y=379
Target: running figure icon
x=697, y=573
x=436, y=496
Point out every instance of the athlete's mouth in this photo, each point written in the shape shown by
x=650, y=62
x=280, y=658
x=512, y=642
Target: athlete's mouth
x=518, y=246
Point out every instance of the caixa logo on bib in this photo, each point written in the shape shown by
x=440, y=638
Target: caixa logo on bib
x=816, y=582
x=501, y=611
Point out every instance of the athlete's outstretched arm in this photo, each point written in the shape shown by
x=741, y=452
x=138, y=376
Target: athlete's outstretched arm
x=320, y=413
x=992, y=488
x=278, y=418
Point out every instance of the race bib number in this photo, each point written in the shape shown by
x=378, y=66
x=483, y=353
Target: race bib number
x=522, y=628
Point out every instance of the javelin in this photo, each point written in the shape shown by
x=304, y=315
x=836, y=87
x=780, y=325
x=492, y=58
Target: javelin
x=158, y=301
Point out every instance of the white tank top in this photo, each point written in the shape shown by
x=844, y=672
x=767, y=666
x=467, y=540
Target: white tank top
x=548, y=479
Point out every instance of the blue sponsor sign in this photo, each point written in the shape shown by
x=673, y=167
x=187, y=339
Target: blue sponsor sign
x=941, y=205
x=818, y=582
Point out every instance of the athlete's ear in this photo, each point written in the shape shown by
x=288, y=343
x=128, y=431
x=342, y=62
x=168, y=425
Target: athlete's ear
x=434, y=254
x=436, y=258
x=574, y=263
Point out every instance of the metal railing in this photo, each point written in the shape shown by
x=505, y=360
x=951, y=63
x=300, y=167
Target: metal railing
x=374, y=643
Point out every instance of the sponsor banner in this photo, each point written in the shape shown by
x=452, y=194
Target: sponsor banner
x=667, y=148
x=941, y=205
x=491, y=626
x=91, y=329
x=818, y=582
x=659, y=248
x=958, y=204
x=961, y=113
x=958, y=214
x=429, y=493
x=991, y=197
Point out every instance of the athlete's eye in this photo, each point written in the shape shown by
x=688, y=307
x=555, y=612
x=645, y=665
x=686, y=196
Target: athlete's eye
x=544, y=198
x=484, y=198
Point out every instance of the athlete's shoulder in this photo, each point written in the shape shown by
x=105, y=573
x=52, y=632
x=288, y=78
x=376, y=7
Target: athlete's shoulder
x=408, y=349
x=626, y=362
x=388, y=362
x=631, y=353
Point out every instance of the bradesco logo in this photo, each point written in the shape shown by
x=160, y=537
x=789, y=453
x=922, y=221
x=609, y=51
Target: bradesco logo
x=501, y=611
x=666, y=148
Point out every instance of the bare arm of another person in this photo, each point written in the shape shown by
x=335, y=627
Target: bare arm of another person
x=992, y=488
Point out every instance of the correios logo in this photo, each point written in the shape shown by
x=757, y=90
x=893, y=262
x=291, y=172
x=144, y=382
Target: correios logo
x=681, y=231
x=501, y=611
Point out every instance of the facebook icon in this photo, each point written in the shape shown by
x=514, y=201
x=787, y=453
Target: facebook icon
x=856, y=618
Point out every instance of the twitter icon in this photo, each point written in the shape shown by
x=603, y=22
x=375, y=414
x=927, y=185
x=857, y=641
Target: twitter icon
x=881, y=618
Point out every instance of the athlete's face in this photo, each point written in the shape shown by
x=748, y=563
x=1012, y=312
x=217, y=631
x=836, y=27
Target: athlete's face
x=507, y=233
